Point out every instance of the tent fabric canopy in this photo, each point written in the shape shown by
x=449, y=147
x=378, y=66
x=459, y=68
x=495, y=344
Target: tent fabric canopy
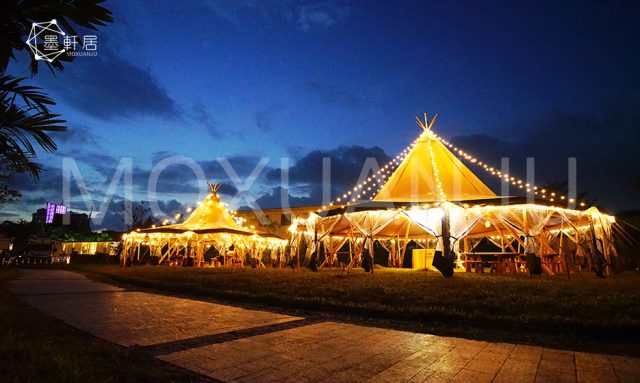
x=431, y=172
x=210, y=217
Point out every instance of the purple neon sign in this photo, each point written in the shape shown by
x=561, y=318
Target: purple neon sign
x=53, y=209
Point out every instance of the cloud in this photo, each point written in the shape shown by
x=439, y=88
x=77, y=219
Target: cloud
x=264, y=118
x=242, y=165
x=606, y=156
x=178, y=179
x=234, y=11
x=305, y=17
x=113, y=218
x=50, y=181
x=109, y=87
x=76, y=136
x=346, y=165
x=332, y=94
x=176, y=182
x=202, y=117
x=321, y=15
x=296, y=151
x=306, y=185
x=274, y=199
x=102, y=163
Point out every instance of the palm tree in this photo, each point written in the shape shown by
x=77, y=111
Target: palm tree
x=25, y=117
x=17, y=16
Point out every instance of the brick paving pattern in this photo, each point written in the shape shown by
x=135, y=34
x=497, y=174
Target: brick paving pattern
x=233, y=344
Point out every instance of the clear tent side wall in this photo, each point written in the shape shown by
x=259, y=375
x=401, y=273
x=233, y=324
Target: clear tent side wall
x=556, y=231
x=166, y=246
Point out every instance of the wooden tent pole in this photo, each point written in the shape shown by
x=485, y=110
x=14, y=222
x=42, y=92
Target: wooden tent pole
x=502, y=239
x=512, y=233
x=299, y=239
x=446, y=244
x=350, y=243
x=348, y=268
x=465, y=249
x=605, y=249
x=564, y=253
x=595, y=257
x=509, y=230
x=544, y=245
x=404, y=247
x=326, y=250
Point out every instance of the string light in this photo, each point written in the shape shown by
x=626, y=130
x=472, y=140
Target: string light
x=508, y=178
x=384, y=173
x=372, y=184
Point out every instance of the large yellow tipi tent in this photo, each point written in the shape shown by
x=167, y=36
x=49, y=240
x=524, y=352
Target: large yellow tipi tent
x=427, y=196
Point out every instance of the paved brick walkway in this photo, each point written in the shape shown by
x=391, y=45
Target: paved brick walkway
x=234, y=344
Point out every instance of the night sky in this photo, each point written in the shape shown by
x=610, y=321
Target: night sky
x=302, y=80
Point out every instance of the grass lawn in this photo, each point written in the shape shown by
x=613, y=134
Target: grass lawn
x=549, y=310
x=37, y=348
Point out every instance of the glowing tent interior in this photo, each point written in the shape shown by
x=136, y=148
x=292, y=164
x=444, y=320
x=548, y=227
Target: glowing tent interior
x=209, y=225
x=427, y=196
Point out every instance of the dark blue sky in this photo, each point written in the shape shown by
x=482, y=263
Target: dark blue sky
x=246, y=79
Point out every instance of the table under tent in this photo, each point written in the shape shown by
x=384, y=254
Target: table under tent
x=210, y=225
x=427, y=197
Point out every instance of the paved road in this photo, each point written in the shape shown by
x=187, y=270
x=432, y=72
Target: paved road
x=233, y=344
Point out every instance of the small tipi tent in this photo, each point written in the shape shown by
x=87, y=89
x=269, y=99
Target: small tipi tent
x=210, y=224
